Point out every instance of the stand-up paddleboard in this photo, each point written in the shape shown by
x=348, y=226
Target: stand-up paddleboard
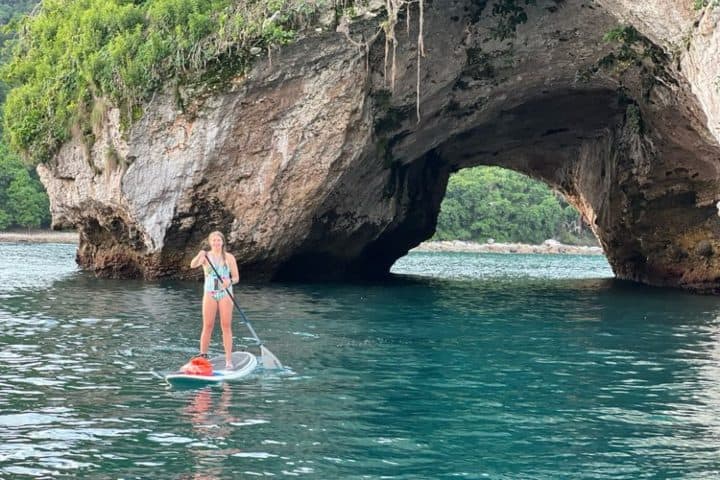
x=243, y=364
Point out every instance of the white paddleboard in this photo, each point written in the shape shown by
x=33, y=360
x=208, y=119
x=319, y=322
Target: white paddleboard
x=244, y=363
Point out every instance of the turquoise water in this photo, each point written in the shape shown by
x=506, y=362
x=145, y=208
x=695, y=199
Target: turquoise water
x=463, y=366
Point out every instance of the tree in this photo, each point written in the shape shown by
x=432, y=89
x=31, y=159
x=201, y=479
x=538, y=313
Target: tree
x=23, y=201
x=28, y=203
x=491, y=202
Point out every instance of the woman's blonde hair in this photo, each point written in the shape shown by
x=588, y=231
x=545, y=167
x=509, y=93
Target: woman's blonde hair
x=222, y=237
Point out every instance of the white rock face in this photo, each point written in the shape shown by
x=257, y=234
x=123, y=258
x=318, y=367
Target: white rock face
x=692, y=36
x=264, y=152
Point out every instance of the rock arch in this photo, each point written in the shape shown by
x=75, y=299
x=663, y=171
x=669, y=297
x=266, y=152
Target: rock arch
x=315, y=170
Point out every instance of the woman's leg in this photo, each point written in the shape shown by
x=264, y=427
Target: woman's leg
x=225, y=305
x=209, y=311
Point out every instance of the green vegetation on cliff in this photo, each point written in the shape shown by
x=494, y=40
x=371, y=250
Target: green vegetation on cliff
x=71, y=58
x=699, y=4
x=492, y=202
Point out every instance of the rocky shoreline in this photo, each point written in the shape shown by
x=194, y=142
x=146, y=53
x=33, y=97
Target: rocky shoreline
x=39, y=236
x=547, y=247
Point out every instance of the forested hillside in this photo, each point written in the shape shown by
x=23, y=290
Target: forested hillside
x=23, y=201
x=493, y=203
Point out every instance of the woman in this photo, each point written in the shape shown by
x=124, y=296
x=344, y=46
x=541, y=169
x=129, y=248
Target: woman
x=216, y=297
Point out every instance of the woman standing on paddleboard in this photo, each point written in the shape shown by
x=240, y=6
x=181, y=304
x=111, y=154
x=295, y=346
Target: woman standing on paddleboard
x=215, y=296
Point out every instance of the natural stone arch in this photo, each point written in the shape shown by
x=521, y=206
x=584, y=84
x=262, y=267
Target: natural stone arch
x=313, y=169
x=641, y=193
x=630, y=152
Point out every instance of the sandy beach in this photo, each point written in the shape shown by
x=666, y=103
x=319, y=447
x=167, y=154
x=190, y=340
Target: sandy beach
x=547, y=247
x=38, y=236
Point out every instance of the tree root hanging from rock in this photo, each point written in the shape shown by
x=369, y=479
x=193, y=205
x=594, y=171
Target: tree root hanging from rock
x=393, y=9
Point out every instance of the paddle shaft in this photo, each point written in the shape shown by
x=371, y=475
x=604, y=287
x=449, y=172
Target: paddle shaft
x=242, y=314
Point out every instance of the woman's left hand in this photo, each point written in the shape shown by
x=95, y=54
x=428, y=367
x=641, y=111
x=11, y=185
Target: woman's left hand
x=226, y=283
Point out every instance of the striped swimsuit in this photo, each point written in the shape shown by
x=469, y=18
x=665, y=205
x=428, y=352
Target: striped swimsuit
x=213, y=284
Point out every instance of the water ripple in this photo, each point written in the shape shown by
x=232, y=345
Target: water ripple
x=559, y=373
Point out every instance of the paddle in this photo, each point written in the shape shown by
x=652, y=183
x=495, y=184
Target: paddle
x=269, y=360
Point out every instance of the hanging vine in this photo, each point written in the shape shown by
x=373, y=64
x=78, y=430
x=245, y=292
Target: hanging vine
x=393, y=8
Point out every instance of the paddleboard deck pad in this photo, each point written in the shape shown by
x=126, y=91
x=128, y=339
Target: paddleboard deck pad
x=243, y=364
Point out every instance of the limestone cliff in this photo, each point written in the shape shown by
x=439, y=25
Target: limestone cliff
x=313, y=168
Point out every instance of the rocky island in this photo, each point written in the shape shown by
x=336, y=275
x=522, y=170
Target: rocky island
x=327, y=161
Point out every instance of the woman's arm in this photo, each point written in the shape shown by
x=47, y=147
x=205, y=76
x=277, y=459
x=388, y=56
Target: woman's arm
x=234, y=273
x=199, y=259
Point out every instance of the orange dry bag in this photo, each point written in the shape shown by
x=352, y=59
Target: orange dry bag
x=198, y=366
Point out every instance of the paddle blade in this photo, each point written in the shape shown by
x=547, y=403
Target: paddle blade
x=269, y=360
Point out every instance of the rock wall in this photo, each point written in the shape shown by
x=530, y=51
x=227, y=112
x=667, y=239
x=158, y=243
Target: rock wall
x=315, y=169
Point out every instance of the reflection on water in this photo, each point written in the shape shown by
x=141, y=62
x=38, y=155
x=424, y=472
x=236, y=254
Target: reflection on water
x=489, y=376
x=212, y=423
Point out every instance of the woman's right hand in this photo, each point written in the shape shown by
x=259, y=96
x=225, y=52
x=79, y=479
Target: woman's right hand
x=199, y=260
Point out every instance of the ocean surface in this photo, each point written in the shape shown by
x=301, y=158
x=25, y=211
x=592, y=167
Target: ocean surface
x=461, y=366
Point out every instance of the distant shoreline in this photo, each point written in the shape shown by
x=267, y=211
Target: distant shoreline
x=39, y=236
x=547, y=247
